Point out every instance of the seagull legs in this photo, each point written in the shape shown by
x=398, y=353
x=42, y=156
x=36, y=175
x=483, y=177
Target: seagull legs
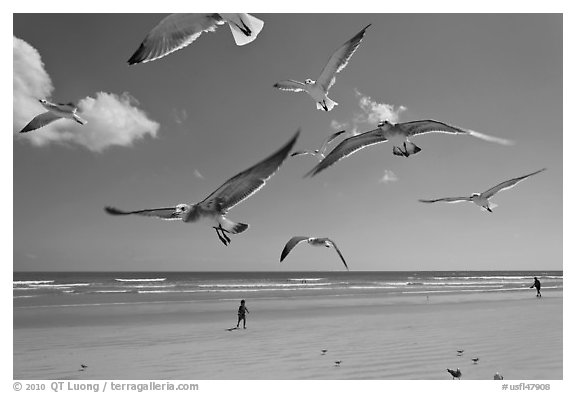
x=221, y=232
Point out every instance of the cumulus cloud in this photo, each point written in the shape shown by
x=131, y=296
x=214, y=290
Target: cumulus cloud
x=113, y=120
x=371, y=113
x=389, y=177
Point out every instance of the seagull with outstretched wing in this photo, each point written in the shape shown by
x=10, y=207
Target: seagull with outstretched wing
x=313, y=241
x=318, y=89
x=482, y=199
x=177, y=31
x=214, y=208
x=387, y=131
x=404, y=131
x=349, y=146
x=321, y=152
x=55, y=112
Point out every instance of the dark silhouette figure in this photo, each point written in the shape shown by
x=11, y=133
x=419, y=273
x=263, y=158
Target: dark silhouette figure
x=537, y=285
x=455, y=373
x=242, y=310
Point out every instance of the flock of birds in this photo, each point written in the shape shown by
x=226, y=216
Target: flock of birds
x=458, y=374
x=177, y=31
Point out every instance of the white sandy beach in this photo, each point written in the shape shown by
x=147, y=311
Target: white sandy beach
x=516, y=334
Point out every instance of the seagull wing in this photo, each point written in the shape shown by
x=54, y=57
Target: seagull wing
x=291, y=244
x=418, y=127
x=347, y=147
x=330, y=139
x=246, y=183
x=290, y=85
x=447, y=200
x=507, y=184
x=339, y=253
x=172, y=33
x=300, y=153
x=40, y=121
x=165, y=213
x=339, y=60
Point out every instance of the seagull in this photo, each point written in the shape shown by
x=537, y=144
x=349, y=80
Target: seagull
x=455, y=374
x=216, y=205
x=320, y=153
x=177, y=31
x=498, y=377
x=386, y=131
x=324, y=351
x=482, y=199
x=314, y=241
x=475, y=360
x=460, y=352
x=318, y=89
x=337, y=363
x=55, y=112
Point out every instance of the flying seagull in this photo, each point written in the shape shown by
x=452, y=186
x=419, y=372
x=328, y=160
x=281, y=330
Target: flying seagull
x=386, y=131
x=318, y=89
x=407, y=130
x=482, y=199
x=455, y=373
x=177, y=31
x=215, y=207
x=55, y=112
x=320, y=153
x=314, y=241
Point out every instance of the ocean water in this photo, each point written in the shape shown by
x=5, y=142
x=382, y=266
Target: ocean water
x=62, y=288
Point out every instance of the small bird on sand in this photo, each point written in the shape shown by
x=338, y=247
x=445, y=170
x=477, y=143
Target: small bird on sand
x=318, y=89
x=475, y=360
x=177, y=31
x=324, y=351
x=460, y=352
x=214, y=208
x=455, y=373
x=55, y=112
x=314, y=241
x=84, y=367
x=337, y=363
x=498, y=377
x=482, y=199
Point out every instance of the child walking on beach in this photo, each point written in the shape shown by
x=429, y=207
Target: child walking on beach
x=537, y=285
x=242, y=310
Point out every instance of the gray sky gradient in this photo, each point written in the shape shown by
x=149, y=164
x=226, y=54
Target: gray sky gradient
x=218, y=114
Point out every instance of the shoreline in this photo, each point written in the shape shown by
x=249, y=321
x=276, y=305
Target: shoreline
x=374, y=339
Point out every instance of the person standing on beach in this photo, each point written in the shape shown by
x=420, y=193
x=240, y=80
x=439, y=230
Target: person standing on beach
x=242, y=310
x=537, y=285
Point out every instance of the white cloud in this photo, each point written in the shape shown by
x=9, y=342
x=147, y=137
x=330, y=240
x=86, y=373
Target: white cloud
x=388, y=177
x=113, y=120
x=372, y=112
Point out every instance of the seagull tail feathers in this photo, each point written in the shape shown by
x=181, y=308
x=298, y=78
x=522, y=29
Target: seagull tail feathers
x=245, y=28
x=233, y=227
x=326, y=105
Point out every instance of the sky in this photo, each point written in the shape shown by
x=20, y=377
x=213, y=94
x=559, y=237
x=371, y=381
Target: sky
x=175, y=129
